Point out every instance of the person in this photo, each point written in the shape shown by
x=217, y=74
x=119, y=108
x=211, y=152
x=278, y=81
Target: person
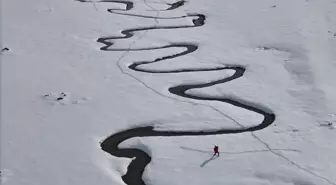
x=216, y=150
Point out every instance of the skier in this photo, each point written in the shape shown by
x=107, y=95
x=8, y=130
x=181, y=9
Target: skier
x=216, y=150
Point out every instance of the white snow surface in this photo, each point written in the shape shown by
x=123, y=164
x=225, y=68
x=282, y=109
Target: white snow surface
x=53, y=49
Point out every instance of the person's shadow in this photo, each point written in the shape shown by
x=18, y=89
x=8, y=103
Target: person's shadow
x=208, y=160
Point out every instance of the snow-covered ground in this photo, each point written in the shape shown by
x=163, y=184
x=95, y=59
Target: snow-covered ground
x=53, y=49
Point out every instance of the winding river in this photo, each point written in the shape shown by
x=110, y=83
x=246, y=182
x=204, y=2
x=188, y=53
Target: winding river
x=110, y=145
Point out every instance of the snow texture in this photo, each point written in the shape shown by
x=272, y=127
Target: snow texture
x=289, y=51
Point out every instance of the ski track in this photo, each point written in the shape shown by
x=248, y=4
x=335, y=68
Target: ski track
x=137, y=166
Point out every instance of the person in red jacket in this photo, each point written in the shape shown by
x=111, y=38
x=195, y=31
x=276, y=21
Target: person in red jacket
x=216, y=150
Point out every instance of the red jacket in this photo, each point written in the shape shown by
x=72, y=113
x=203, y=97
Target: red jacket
x=216, y=149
